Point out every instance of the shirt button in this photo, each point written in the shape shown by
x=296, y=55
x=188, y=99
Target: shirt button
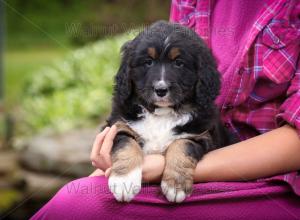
x=276, y=40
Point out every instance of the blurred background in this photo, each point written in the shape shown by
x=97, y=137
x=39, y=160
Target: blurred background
x=57, y=63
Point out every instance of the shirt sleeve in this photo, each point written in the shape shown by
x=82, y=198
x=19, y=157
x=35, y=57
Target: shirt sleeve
x=289, y=111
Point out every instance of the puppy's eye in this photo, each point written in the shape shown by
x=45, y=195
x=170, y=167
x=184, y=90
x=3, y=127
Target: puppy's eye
x=149, y=62
x=178, y=63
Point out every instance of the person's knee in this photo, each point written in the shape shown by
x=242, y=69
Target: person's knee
x=84, y=189
x=82, y=197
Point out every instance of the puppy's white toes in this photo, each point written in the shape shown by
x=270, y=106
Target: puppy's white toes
x=125, y=187
x=172, y=194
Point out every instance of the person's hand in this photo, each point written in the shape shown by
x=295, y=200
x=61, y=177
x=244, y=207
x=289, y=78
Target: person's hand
x=153, y=165
x=100, y=155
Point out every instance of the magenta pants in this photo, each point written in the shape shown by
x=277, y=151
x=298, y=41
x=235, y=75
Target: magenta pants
x=89, y=198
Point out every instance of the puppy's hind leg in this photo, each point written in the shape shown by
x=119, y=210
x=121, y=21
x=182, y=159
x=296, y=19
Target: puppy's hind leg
x=126, y=174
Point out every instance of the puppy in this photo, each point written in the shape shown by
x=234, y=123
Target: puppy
x=164, y=104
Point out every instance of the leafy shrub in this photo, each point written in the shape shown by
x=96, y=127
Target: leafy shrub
x=75, y=91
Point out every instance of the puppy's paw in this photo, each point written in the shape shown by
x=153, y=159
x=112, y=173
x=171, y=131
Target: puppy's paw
x=176, y=190
x=172, y=194
x=125, y=187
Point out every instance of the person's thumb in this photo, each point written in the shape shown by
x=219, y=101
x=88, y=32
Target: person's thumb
x=107, y=172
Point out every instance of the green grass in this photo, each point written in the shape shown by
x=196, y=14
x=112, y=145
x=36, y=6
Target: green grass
x=8, y=197
x=20, y=65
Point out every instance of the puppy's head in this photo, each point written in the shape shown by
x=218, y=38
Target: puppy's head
x=167, y=65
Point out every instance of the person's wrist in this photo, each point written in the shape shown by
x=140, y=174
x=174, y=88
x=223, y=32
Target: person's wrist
x=152, y=168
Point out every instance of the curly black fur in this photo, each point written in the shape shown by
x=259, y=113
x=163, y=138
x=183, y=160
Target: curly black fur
x=194, y=82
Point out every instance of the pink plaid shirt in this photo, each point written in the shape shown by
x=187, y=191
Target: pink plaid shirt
x=263, y=90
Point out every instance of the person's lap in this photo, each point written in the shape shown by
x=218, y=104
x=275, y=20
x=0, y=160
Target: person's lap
x=90, y=198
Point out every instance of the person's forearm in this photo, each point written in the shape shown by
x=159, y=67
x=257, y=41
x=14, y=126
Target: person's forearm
x=153, y=167
x=272, y=153
x=269, y=154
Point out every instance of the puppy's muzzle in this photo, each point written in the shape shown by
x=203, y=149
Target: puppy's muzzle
x=161, y=88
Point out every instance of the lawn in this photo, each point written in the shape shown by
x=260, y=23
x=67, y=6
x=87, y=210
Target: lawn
x=20, y=65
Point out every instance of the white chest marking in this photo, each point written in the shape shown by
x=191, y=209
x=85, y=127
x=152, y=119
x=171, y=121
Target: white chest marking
x=156, y=129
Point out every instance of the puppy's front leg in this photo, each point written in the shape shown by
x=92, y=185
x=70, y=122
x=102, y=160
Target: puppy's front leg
x=126, y=174
x=181, y=159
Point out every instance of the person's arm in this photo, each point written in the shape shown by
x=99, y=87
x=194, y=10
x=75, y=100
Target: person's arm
x=272, y=153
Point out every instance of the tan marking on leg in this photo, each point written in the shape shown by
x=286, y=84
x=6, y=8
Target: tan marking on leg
x=123, y=127
x=127, y=158
x=174, y=52
x=179, y=171
x=152, y=52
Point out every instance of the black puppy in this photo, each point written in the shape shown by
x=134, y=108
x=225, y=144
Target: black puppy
x=164, y=104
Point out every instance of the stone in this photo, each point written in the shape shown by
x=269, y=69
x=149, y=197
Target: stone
x=8, y=162
x=65, y=154
x=41, y=186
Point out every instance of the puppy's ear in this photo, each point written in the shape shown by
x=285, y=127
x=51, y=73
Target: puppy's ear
x=208, y=85
x=123, y=85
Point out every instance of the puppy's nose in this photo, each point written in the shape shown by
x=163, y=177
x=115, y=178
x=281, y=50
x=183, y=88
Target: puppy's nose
x=161, y=88
x=161, y=92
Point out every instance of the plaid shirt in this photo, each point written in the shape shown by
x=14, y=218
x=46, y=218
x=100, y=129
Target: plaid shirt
x=263, y=91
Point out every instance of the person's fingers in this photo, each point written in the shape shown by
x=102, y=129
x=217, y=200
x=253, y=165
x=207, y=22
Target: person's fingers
x=107, y=145
x=107, y=172
x=98, y=141
x=97, y=144
x=100, y=155
x=97, y=172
